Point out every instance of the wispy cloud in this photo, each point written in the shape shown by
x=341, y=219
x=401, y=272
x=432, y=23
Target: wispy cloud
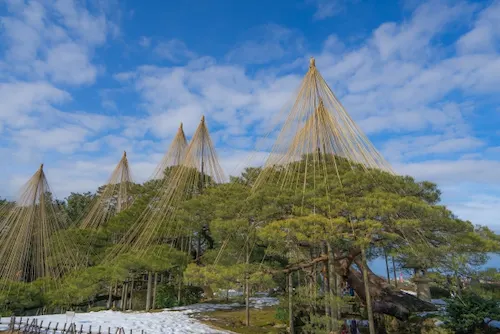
x=53, y=40
x=174, y=50
x=327, y=8
x=268, y=43
x=413, y=91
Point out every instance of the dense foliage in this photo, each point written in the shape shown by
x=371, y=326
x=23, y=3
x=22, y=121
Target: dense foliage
x=470, y=313
x=232, y=234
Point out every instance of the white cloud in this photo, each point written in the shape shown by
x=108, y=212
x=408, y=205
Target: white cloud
x=92, y=28
x=174, y=50
x=327, y=8
x=63, y=140
x=174, y=94
x=409, y=147
x=485, y=34
x=402, y=80
x=411, y=40
x=267, y=43
x=23, y=34
x=20, y=100
x=165, y=124
x=69, y=63
x=145, y=42
x=481, y=209
x=452, y=172
x=53, y=40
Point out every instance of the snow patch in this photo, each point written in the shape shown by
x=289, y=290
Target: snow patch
x=161, y=322
x=176, y=320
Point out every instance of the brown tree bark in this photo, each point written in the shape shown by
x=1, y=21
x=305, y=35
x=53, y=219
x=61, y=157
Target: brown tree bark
x=385, y=299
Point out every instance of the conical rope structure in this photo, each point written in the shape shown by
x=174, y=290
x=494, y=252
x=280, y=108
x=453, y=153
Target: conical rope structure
x=198, y=169
x=5, y=207
x=318, y=124
x=174, y=156
x=114, y=197
x=30, y=248
x=316, y=151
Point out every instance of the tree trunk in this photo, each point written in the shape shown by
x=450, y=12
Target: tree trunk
x=385, y=299
x=327, y=292
x=335, y=311
x=198, y=249
x=459, y=284
x=387, y=267
x=380, y=324
x=125, y=299
x=154, y=291
x=315, y=283
x=148, y=296
x=290, y=303
x=179, y=291
x=369, y=307
x=114, y=293
x=110, y=298
x=394, y=271
x=247, y=287
x=130, y=302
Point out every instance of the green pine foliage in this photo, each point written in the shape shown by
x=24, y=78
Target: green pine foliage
x=466, y=314
x=254, y=234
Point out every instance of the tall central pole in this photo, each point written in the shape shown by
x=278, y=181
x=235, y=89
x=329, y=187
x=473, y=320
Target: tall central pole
x=202, y=157
x=202, y=176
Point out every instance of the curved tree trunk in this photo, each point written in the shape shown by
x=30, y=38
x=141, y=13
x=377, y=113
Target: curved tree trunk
x=386, y=300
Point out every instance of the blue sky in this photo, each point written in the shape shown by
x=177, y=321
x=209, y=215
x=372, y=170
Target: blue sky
x=81, y=81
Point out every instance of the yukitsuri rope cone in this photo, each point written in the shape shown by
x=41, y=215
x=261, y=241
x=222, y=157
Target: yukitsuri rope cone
x=174, y=156
x=318, y=138
x=318, y=125
x=114, y=198
x=198, y=169
x=30, y=248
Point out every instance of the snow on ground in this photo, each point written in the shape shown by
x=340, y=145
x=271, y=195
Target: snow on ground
x=176, y=320
x=255, y=302
x=413, y=293
x=160, y=322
